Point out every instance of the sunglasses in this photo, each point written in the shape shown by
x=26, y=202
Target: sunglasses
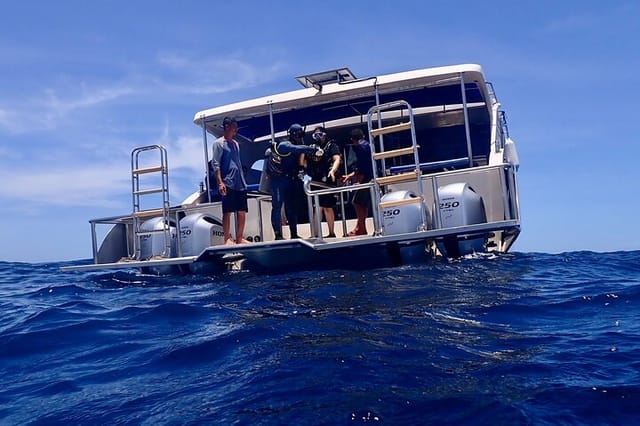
x=318, y=135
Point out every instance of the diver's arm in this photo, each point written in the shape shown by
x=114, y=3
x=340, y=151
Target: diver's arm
x=287, y=147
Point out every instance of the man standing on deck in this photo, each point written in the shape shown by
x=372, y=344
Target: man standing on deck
x=227, y=169
x=362, y=173
x=284, y=164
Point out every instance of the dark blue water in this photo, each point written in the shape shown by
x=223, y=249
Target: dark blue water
x=514, y=339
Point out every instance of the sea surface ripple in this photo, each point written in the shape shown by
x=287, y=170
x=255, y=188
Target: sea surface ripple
x=515, y=339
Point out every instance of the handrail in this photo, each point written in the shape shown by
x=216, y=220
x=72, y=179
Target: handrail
x=314, y=211
x=436, y=178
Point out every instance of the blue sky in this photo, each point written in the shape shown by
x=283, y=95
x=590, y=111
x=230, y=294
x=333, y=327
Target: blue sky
x=84, y=82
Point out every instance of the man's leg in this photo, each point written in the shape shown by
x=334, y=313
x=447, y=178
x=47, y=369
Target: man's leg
x=330, y=218
x=361, y=225
x=290, y=208
x=226, y=228
x=362, y=211
x=276, y=207
x=241, y=217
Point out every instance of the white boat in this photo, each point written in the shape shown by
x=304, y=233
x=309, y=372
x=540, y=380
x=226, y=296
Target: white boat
x=445, y=180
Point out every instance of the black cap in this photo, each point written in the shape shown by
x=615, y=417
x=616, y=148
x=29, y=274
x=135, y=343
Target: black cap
x=228, y=121
x=296, y=131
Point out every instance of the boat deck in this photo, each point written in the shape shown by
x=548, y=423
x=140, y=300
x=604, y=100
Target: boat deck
x=274, y=253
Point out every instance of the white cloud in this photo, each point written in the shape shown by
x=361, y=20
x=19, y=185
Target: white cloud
x=215, y=75
x=187, y=153
x=184, y=152
x=83, y=186
x=88, y=97
x=66, y=110
x=186, y=162
x=98, y=184
x=45, y=112
x=10, y=121
x=176, y=75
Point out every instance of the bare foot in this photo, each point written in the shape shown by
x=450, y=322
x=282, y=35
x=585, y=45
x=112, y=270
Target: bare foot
x=229, y=242
x=243, y=241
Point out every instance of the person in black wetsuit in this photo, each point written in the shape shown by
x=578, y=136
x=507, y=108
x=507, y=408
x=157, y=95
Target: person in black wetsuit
x=325, y=169
x=284, y=164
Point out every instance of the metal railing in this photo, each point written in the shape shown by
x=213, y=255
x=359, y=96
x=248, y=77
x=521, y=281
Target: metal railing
x=506, y=177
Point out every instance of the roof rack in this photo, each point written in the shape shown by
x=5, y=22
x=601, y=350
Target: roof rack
x=319, y=79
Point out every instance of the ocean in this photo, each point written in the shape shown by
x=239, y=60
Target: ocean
x=515, y=339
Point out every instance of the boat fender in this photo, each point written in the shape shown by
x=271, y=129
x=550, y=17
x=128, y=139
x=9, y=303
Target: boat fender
x=511, y=154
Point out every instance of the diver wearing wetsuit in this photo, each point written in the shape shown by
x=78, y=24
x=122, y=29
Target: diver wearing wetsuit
x=283, y=166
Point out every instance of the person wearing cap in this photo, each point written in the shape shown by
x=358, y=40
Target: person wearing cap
x=325, y=168
x=227, y=169
x=361, y=173
x=284, y=164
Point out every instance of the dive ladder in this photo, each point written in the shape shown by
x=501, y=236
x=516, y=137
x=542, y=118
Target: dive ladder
x=139, y=214
x=380, y=176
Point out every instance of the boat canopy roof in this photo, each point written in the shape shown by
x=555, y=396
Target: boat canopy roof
x=350, y=98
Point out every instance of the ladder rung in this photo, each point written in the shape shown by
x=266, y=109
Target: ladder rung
x=393, y=153
x=144, y=170
x=402, y=177
x=394, y=203
x=391, y=129
x=145, y=213
x=148, y=191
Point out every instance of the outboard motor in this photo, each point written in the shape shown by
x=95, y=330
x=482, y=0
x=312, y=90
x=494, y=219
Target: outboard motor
x=460, y=205
x=153, y=244
x=403, y=218
x=199, y=231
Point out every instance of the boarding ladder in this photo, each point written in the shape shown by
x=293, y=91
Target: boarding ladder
x=158, y=175
x=376, y=129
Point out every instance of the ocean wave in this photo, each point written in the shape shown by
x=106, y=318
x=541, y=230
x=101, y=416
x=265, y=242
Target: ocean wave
x=523, y=338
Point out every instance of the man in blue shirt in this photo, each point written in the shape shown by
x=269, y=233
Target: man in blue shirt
x=232, y=186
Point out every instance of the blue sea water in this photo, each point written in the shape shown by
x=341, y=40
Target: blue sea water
x=516, y=339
